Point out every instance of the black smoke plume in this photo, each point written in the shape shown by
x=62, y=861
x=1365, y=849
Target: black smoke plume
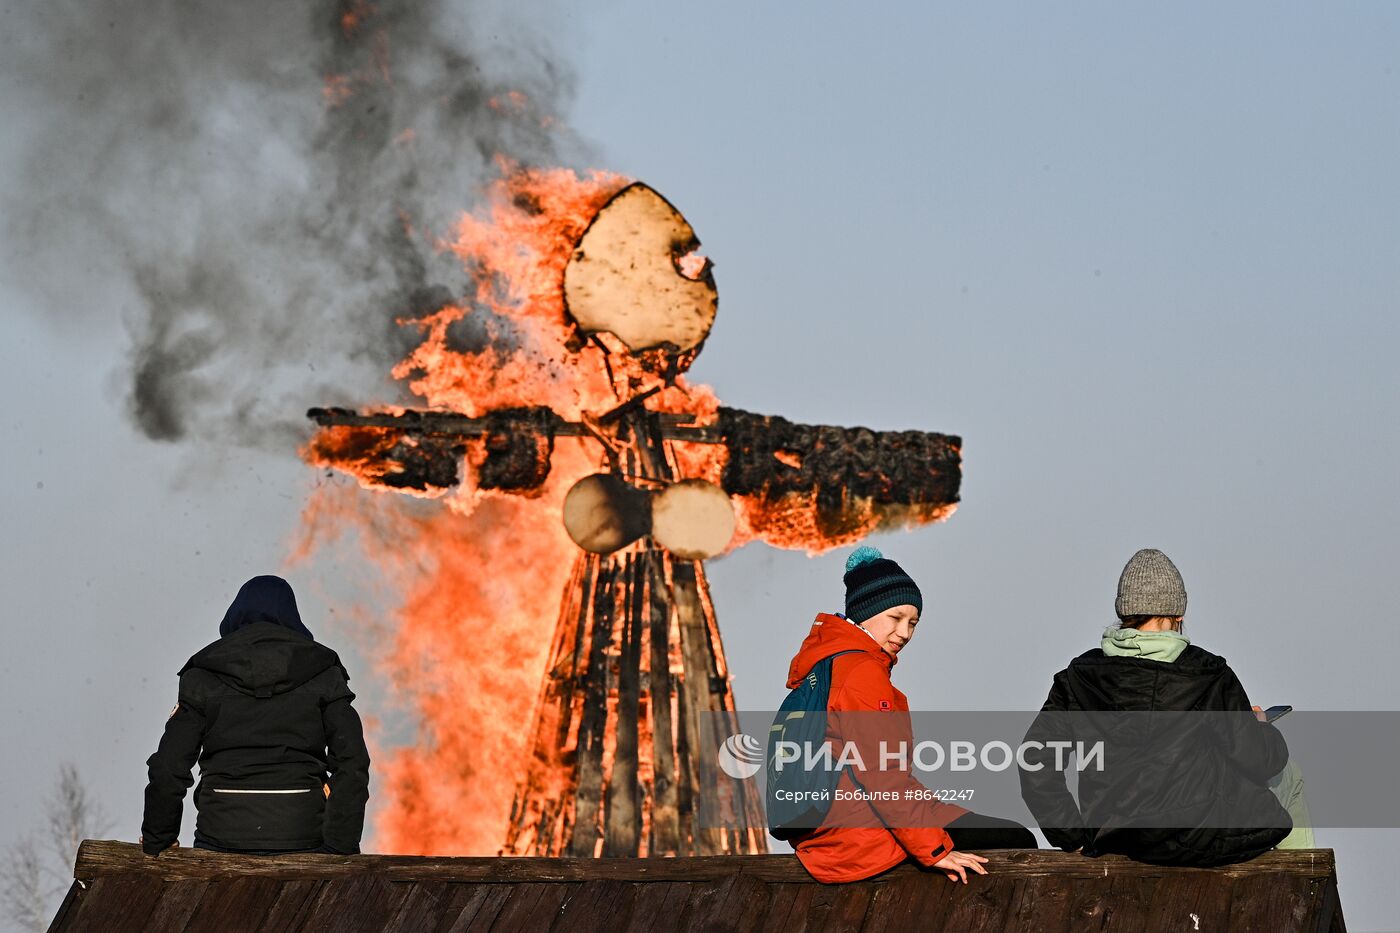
x=257, y=186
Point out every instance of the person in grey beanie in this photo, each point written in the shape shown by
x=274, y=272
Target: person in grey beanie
x=1211, y=786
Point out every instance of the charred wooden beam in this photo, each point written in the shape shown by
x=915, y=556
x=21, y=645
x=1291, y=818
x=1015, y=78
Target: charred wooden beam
x=665, y=814
x=518, y=446
x=422, y=449
x=772, y=457
x=768, y=457
x=394, y=459
x=594, y=722
x=622, y=821
x=528, y=418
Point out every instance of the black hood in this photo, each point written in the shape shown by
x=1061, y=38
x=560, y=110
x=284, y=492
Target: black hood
x=264, y=599
x=263, y=659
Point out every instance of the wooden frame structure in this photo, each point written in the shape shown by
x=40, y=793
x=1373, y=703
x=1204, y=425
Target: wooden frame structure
x=618, y=760
x=118, y=889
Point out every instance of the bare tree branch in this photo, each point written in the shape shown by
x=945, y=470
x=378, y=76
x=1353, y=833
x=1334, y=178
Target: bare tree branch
x=35, y=874
x=26, y=890
x=72, y=815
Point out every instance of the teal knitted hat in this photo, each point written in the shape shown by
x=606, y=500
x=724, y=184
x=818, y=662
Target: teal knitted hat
x=875, y=583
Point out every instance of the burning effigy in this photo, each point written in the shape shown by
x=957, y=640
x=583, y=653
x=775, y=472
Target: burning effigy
x=561, y=425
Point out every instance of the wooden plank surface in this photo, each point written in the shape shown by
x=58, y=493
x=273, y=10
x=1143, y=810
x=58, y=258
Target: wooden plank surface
x=1108, y=904
x=463, y=903
x=736, y=905
x=936, y=894
x=898, y=905
x=377, y=906
x=76, y=892
x=704, y=908
x=663, y=899
x=786, y=909
x=1330, y=919
x=420, y=907
x=480, y=916
x=532, y=907
x=294, y=902
x=1090, y=906
x=1129, y=896
x=178, y=902
x=981, y=904
x=115, y=904
x=597, y=905
x=839, y=908
x=341, y=901
x=1045, y=892
x=1190, y=902
x=1041, y=905
x=1262, y=906
x=238, y=905
x=99, y=859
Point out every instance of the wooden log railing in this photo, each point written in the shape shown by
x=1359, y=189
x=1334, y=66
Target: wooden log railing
x=99, y=858
x=118, y=889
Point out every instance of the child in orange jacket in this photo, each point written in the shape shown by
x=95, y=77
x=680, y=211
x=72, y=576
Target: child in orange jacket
x=873, y=827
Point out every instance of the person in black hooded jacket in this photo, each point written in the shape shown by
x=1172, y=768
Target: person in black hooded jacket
x=267, y=713
x=1186, y=763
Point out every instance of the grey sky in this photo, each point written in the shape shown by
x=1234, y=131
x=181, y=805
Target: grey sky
x=1146, y=262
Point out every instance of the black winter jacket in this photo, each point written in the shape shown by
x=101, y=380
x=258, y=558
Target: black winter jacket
x=267, y=713
x=1180, y=785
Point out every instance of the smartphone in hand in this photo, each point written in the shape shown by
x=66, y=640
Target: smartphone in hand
x=1274, y=713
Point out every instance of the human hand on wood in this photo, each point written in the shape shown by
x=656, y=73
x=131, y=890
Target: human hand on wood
x=955, y=865
x=141, y=840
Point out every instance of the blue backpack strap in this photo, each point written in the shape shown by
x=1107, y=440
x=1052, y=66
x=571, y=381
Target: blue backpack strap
x=805, y=709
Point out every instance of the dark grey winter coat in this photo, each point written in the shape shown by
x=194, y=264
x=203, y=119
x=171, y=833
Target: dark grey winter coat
x=267, y=714
x=1185, y=763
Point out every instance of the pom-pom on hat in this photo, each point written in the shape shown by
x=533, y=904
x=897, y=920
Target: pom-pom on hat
x=875, y=583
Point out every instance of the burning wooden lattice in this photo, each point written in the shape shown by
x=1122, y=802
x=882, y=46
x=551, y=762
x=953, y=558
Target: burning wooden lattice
x=616, y=763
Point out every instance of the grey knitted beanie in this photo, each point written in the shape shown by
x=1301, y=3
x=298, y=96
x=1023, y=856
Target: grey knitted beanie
x=1150, y=586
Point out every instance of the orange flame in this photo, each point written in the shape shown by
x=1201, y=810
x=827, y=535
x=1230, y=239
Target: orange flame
x=480, y=582
x=482, y=572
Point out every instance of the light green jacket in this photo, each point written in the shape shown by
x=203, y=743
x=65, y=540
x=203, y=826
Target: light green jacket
x=1134, y=643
